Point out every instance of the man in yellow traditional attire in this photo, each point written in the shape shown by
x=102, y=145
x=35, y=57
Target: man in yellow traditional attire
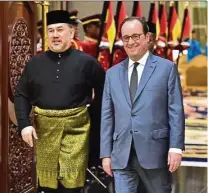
x=58, y=85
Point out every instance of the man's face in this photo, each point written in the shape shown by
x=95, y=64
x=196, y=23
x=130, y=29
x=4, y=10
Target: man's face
x=59, y=37
x=93, y=30
x=194, y=36
x=134, y=40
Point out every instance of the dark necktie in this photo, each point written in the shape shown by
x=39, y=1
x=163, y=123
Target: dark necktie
x=134, y=82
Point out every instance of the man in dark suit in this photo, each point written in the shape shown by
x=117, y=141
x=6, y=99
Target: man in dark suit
x=142, y=123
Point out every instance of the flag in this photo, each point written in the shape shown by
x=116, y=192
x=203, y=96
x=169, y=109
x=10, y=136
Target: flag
x=174, y=31
x=174, y=25
x=118, y=53
x=102, y=27
x=186, y=27
x=120, y=16
x=106, y=36
x=110, y=26
x=163, y=20
x=153, y=20
x=137, y=11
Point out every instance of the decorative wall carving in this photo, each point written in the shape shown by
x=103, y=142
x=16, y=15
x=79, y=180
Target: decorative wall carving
x=20, y=50
x=20, y=162
x=20, y=154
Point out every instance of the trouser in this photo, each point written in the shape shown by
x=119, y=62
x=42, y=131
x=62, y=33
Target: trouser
x=155, y=180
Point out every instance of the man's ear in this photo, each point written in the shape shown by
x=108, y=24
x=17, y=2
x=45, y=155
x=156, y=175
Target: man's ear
x=148, y=37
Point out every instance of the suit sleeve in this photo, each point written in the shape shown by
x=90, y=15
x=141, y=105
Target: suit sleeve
x=107, y=121
x=176, y=110
x=21, y=101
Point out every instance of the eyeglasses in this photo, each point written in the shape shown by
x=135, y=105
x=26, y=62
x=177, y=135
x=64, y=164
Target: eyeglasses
x=134, y=37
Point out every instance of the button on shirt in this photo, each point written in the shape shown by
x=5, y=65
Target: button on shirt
x=142, y=62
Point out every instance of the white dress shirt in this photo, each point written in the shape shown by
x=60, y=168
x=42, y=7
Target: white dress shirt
x=140, y=68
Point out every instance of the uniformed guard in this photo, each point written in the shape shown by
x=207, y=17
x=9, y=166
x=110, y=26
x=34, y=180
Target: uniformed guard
x=119, y=53
x=91, y=27
x=161, y=46
x=58, y=85
x=156, y=46
x=76, y=42
x=104, y=56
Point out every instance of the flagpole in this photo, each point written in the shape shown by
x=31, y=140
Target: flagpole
x=135, y=6
x=102, y=26
x=117, y=15
x=184, y=20
x=169, y=19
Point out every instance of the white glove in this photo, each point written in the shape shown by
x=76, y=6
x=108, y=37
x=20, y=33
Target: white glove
x=119, y=43
x=173, y=43
x=27, y=135
x=104, y=44
x=161, y=44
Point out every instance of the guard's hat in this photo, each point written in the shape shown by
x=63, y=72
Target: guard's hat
x=91, y=19
x=58, y=16
x=73, y=17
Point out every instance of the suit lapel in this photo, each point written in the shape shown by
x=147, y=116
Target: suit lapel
x=124, y=80
x=147, y=72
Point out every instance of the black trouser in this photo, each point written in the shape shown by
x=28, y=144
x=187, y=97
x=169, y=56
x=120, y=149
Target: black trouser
x=61, y=189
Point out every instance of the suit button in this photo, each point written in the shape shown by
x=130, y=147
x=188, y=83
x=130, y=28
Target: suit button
x=131, y=132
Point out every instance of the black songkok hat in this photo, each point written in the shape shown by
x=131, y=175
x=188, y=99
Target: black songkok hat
x=58, y=16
